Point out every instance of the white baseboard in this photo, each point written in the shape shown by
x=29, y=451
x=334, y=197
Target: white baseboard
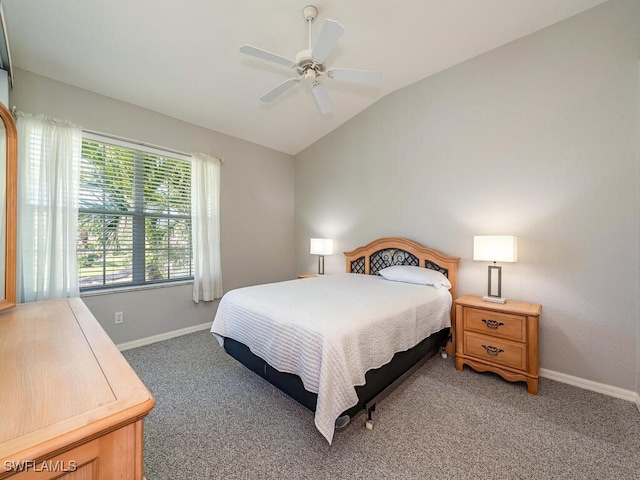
x=163, y=336
x=616, y=392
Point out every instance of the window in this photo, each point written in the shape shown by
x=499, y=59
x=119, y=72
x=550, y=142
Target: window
x=134, y=215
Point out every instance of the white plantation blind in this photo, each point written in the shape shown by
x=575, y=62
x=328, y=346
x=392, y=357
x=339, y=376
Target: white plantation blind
x=134, y=221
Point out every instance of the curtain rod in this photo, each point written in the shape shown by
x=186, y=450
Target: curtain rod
x=136, y=142
x=14, y=112
x=143, y=144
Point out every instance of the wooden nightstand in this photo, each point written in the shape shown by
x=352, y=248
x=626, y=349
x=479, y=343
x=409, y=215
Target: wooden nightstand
x=308, y=275
x=499, y=338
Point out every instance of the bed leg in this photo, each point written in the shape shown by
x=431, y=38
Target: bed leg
x=443, y=352
x=369, y=422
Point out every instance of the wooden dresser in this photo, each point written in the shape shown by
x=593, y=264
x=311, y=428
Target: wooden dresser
x=71, y=405
x=499, y=338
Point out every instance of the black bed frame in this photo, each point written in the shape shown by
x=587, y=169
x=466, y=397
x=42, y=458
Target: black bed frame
x=379, y=382
x=367, y=260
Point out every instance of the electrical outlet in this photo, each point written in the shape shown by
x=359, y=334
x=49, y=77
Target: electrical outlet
x=119, y=317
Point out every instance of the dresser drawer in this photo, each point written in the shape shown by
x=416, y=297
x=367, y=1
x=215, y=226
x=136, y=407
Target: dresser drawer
x=496, y=350
x=504, y=325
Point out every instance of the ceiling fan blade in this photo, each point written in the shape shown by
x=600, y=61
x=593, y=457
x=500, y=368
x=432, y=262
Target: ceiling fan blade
x=283, y=87
x=272, y=57
x=357, y=76
x=329, y=35
x=322, y=98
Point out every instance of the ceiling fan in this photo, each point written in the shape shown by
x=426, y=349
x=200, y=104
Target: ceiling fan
x=310, y=63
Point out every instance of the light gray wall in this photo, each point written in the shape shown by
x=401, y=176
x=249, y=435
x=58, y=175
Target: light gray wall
x=256, y=203
x=538, y=138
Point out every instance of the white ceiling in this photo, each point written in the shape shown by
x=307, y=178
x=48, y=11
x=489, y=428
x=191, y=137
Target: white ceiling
x=181, y=58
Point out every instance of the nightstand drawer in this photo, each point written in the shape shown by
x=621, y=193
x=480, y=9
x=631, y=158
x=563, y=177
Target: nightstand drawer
x=496, y=324
x=496, y=350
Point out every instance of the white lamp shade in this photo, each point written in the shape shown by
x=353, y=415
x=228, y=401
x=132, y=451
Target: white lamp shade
x=321, y=246
x=495, y=248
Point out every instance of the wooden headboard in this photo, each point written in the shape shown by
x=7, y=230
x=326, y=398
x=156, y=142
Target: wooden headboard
x=385, y=252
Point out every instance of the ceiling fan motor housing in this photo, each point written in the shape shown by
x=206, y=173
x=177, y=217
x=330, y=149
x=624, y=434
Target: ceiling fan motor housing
x=305, y=61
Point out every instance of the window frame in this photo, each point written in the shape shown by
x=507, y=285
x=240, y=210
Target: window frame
x=138, y=216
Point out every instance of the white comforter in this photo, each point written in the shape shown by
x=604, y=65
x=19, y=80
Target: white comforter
x=330, y=330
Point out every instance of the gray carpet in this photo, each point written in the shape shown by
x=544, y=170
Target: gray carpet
x=215, y=419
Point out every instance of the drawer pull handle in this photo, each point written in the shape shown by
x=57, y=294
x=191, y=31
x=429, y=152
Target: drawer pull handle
x=492, y=323
x=491, y=350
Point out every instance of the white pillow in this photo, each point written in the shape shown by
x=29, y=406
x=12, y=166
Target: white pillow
x=419, y=275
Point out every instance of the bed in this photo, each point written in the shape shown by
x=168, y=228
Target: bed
x=339, y=343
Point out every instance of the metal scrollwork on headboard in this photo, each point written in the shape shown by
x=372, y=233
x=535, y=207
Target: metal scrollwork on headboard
x=357, y=266
x=388, y=257
x=434, y=266
x=391, y=256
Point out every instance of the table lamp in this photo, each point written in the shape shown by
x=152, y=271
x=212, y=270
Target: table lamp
x=495, y=248
x=321, y=247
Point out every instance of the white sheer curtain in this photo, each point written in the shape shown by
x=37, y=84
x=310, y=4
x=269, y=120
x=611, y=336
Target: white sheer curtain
x=205, y=227
x=49, y=154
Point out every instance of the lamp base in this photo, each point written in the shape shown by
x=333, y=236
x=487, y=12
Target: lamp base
x=487, y=298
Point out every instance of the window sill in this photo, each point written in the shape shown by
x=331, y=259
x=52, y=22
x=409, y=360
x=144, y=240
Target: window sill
x=110, y=291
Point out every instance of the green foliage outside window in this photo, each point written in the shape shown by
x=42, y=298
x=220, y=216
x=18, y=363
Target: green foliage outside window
x=134, y=222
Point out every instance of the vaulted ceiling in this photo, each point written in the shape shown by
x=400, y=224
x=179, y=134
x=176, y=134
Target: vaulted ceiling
x=182, y=58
